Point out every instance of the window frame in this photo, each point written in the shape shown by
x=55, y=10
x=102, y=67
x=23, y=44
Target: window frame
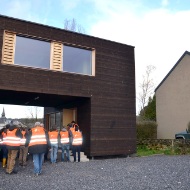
x=54, y=66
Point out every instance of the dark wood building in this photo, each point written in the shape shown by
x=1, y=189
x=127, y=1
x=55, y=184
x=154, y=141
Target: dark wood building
x=74, y=77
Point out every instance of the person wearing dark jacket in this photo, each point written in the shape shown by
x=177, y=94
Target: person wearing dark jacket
x=37, y=140
x=12, y=142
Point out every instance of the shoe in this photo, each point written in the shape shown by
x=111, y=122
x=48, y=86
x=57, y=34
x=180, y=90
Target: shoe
x=4, y=162
x=14, y=172
x=36, y=175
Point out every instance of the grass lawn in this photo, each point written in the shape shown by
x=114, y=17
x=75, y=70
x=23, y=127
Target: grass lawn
x=145, y=151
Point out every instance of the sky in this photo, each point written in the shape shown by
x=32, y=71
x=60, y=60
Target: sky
x=158, y=29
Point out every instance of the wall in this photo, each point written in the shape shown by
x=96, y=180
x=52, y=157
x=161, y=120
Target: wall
x=172, y=101
x=108, y=115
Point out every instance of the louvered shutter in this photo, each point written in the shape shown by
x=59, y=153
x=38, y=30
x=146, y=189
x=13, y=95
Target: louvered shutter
x=8, y=47
x=56, y=56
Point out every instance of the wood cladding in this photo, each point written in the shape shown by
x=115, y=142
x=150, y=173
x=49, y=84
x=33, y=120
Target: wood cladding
x=56, y=56
x=8, y=47
x=105, y=102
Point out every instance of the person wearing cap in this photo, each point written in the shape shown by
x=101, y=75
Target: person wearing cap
x=37, y=141
x=64, y=138
x=53, y=138
x=12, y=142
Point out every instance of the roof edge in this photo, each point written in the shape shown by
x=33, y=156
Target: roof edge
x=22, y=20
x=184, y=54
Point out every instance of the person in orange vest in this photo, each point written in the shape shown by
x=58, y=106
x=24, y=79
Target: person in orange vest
x=3, y=146
x=23, y=149
x=37, y=142
x=12, y=142
x=47, y=150
x=77, y=142
x=71, y=130
x=53, y=138
x=64, y=138
x=1, y=142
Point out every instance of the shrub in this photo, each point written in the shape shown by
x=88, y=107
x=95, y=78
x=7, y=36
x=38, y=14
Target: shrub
x=146, y=130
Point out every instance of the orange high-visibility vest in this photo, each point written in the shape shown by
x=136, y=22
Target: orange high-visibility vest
x=23, y=140
x=1, y=141
x=4, y=134
x=64, y=137
x=38, y=136
x=11, y=139
x=53, y=137
x=4, y=137
x=77, y=138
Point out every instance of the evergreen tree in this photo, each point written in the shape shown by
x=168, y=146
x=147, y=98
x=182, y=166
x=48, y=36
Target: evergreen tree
x=149, y=111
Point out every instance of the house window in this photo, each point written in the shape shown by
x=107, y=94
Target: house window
x=47, y=55
x=77, y=60
x=31, y=52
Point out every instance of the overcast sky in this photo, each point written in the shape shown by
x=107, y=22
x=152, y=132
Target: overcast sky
x=158, y=29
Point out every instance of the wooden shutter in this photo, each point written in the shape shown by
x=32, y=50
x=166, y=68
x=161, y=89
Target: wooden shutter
x=56, y=56
x=8, y=47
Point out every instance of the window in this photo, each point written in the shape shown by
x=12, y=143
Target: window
x=31, y=52
x=55, y=119
x=77, y=60
x=52, y=120
x=53, y=55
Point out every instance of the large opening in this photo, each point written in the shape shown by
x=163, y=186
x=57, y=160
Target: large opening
x=58, y=109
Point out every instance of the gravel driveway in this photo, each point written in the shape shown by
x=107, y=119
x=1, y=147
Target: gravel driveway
x=154, y=172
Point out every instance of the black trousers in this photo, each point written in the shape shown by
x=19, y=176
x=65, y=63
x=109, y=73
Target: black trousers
x=76, y=149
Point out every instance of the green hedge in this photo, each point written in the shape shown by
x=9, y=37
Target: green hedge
x=146, y=130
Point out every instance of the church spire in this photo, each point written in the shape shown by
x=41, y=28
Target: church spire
x=3, y=113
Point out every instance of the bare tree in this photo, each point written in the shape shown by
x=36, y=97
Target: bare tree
x=72, y=25
x=33, y=112
x=146, y=88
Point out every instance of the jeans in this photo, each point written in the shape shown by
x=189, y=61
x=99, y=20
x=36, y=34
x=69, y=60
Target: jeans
x=38, y=160
x=76, y=149
x=54, y=149
x=65, y=147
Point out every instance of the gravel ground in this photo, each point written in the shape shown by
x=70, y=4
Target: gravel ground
x=153, y=172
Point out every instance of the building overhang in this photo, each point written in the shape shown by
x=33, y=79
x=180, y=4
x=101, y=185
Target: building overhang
x=37, y=99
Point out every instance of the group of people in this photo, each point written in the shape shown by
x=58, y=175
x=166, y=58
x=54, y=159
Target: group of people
x=17, y=141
